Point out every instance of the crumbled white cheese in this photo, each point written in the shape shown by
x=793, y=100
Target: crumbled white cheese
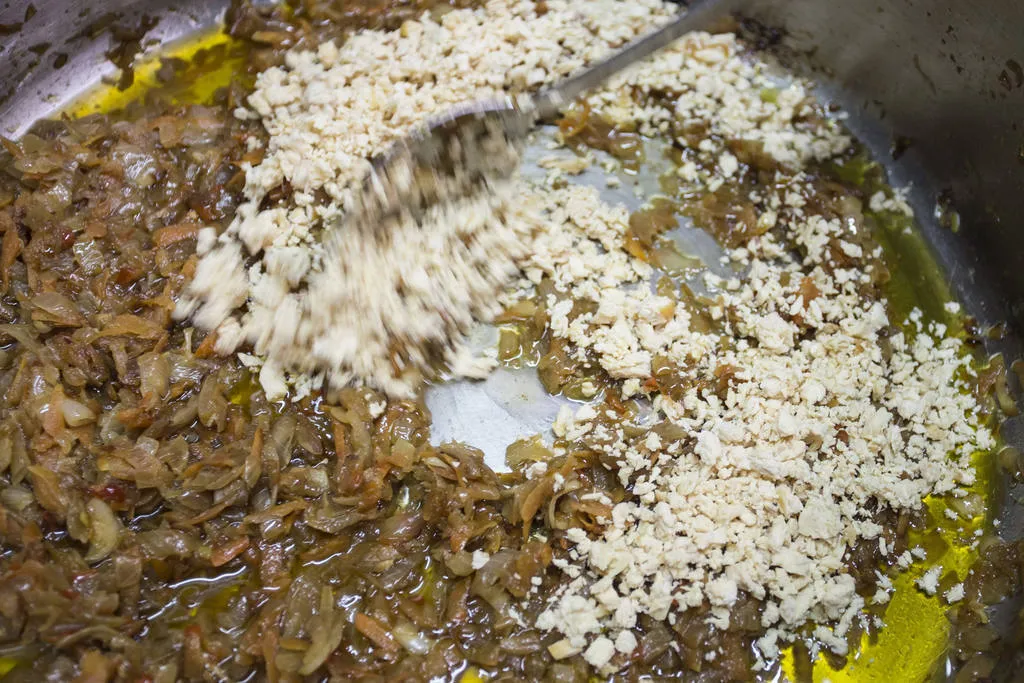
x=480, y=558
x=883, y=590
x=929, y=581
x=600, y=652
x=377, y=409
x=897, y=203
x=625, y=642
x=905, y=560
x=956, y=593
x=711, y=86
x=536, y=470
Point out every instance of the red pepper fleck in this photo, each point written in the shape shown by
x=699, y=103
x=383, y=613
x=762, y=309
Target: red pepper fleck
x=110, y=493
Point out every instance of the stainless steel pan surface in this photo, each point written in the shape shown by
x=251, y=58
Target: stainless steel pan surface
x=934, y=89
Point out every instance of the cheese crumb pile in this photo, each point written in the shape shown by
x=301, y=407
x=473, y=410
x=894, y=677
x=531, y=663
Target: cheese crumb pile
x=265, y=281
x=827, y=416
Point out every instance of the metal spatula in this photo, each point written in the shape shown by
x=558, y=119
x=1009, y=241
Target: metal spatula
x=478, y=142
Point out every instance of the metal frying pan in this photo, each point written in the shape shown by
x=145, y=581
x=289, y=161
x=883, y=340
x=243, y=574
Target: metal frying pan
x=935, y=88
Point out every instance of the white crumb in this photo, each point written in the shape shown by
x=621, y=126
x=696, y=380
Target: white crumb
x=929, y=581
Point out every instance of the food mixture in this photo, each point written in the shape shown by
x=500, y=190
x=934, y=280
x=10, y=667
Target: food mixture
x=217, y=466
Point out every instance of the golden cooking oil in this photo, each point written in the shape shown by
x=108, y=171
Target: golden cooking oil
x=222, y=55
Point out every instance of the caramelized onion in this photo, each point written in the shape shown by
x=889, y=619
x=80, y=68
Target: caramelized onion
x=104, y=530
x=76, y=414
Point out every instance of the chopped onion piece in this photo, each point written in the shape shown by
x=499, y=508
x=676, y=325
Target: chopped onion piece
x=76, y=414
